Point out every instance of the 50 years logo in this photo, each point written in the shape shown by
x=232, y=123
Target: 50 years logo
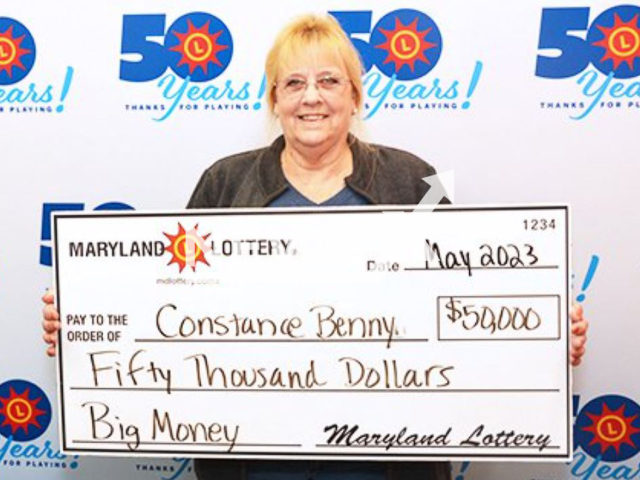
x=197, y=48
x=25, y=415
x=17, y=59
x=611, y=47
x=404, y=45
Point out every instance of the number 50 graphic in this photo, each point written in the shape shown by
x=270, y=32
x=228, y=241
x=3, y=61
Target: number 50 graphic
x=404, y=43
x=612, y=42
x=196, y=45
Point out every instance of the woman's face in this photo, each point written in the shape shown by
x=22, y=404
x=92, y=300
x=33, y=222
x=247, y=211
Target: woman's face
x=314, y=101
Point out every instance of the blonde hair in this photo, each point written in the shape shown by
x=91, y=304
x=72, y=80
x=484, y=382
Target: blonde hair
x=313, y=31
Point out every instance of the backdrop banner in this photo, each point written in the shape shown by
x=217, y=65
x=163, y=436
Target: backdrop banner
x=111, y=106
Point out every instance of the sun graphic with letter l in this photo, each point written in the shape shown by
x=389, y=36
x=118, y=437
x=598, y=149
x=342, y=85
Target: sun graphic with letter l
x=25, y=411
x=406, y=44
x=608, y=427
x=612, y=428
x=621, y=41
x=198, y=47
x=187, y=248
x=11, y=51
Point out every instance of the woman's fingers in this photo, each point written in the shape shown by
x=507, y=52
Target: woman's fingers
x=579, y=327
x=50, y=322
x=50, y=326
x=48, y=297
x=49, y=312
x=578, y=342
x=576, y=311
x=51, y=338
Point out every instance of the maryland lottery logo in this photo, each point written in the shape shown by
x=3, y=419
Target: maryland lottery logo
x=603, y=63
x=17, y=61
x=403, y=48
x=190, y=248
x=187, y=248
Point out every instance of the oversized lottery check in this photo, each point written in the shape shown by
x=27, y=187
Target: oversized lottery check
x=352, y=333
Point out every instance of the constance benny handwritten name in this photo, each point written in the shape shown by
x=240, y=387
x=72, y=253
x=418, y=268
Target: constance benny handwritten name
x=172, y=324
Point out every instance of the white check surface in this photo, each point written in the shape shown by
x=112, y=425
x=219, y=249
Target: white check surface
x=316, y=334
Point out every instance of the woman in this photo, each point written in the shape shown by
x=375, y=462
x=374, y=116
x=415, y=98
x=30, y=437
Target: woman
x=314, y=75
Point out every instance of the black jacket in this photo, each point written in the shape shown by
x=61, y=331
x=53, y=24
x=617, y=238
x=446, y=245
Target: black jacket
x=383, y=175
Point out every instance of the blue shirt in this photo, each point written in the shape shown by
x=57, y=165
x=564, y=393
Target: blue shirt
x=293, y=198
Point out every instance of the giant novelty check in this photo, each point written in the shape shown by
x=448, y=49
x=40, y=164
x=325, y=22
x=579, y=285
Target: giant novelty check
x=355, y=333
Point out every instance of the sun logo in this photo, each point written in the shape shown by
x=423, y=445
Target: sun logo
x=11, y=52
x=187, y=248
x=611, y=429
x=621, y=41
x=199, y=47
x=405, y=45
x=20, y=411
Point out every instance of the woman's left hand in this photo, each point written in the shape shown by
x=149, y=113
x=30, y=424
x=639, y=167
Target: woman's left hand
x=579, y=327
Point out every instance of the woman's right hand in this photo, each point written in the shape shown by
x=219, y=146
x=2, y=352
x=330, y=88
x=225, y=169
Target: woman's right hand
x=50, y=323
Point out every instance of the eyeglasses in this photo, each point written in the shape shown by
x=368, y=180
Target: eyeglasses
x=294, y=87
